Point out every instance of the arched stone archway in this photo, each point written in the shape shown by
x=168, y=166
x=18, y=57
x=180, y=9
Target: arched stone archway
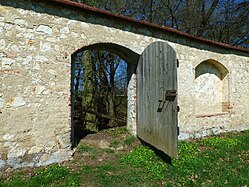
x=131, y=58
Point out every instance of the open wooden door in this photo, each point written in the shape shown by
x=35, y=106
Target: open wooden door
x=157, y=122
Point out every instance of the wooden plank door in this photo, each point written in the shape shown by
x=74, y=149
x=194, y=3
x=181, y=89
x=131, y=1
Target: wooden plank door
x=157, y=122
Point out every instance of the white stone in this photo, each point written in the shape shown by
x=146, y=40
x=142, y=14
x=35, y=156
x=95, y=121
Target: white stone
x=16, y=102
x=49, y=146
x=44, y=29
x=7, y=62
x=71, y=22
x=183, y=136
x=52, y=84
x=131, y=115
x=20, y=22
x=15, y=48
x=19, y=35
x=48, y=159
x=8, y=26
x=14, y=162
x=83, y=36
x=2, y=164
x=65, y=155
x=1, y=30
x=64, y=30
x=45, y=46
x=40, y=89
x=65, y=140
x=37, y=66
x=51, y=39
x=27, y=60
x=35, y=105
x=52, y=72
x=35, y=149
x=85, y=25
x=36, y=78
x=16, y=152
x=9, y=144
x=74, y=35
x=41, y=58
x=22, y=11
x=63, y=36
x=2, y=103
x=8, y=136
x=57, y=47
x=29, y=35
x=2, y=44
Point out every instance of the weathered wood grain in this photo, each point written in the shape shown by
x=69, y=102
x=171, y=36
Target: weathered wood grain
x=157, y=115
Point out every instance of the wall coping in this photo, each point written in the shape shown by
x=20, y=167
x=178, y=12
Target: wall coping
x=80, y=6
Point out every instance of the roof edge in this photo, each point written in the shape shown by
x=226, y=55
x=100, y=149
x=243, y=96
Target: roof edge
x=80, y=6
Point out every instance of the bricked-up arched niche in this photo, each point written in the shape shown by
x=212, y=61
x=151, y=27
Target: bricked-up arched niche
x=211, y=88
x=131, y=58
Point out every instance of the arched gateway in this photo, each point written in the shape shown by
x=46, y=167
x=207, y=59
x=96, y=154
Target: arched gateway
x=37, y=43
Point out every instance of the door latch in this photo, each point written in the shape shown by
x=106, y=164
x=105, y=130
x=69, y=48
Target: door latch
x=170, y=95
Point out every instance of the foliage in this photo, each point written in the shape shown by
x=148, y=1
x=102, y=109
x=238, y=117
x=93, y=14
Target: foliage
x=214, y=161
x=217, y=20
x=115, y=132
x=86, y=149
x=143, y=157
x=217, y=142
x=54, y=175
x=130, y=140
x=114, y=143
x=100, y=81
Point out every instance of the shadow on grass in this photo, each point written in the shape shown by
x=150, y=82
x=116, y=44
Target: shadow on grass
x=166, y=158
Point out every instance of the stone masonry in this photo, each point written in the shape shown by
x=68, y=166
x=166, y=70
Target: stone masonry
x=37, y=41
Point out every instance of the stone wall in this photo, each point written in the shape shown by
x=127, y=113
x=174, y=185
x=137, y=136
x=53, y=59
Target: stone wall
x=232, y=89
x=37, y=41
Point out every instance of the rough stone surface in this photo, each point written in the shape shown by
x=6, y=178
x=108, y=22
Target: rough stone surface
x=16, y=102
x=16, y=152
x=44, y=29
x=2, y=164
x=2, y=103
x=37, y=41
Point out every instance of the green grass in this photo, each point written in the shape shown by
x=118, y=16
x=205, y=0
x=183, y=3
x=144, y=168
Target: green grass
x=221, y=160
x=54, y=175
x=130, y=140
x=115, y=143
x=115, y=132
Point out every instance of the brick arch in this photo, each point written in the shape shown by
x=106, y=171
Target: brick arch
x=211, y=88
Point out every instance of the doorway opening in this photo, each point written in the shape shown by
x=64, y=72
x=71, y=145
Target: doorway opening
x=99, y=82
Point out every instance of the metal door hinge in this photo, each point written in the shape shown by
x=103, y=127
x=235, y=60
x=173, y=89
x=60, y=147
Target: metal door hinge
x=170, y=95
x=178, y=109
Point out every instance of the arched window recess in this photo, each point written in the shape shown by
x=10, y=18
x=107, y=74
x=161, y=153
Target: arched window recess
x=212, y=90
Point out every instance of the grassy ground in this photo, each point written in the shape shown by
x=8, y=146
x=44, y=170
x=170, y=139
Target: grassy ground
x=221, y=160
